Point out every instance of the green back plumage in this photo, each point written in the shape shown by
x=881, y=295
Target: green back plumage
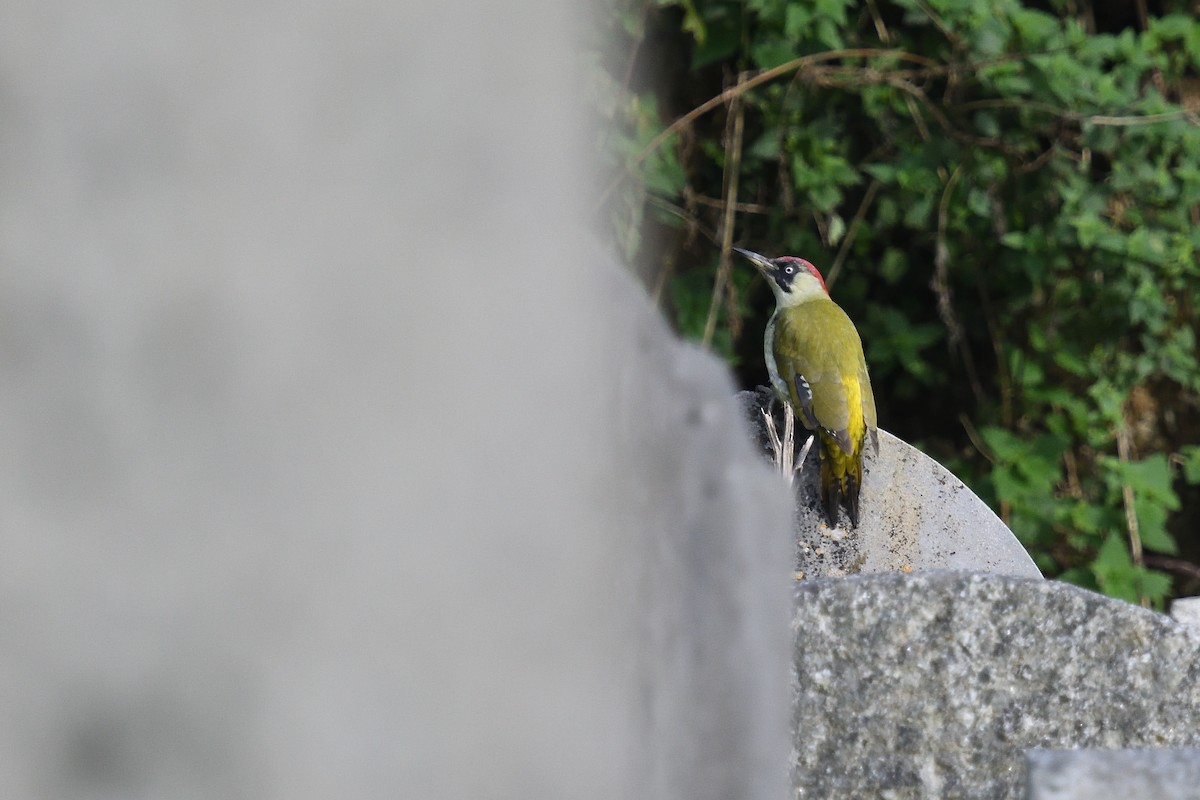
x=807, y=341
x=817, y=341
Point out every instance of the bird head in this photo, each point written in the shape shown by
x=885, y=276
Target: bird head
x=793, y=280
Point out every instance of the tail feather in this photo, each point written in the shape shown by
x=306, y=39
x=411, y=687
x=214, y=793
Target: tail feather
x=853, y=484
x=841, y=479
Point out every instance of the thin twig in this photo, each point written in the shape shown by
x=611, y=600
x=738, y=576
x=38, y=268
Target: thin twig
x=880, y=29
x=691, y=220
x=744, y=86
x=940, y=284
x=637, y=46
x=976, y=439
x=999, y=227
x=743, y=208
x=660, y=282
x=1022, y=104
x=1143, y=17
x=1074, y=488
x=822, y=226
x=733, y=168
x=1038, y=162
x=1149, y=119
x=1131, y=520
x=901, y=79
x=1175, y=565
x=941, y=24
x=852, y=232
x=896, y=78
x=922, y=129
x=1075, y=116
x=941, y=261
x=733, y=311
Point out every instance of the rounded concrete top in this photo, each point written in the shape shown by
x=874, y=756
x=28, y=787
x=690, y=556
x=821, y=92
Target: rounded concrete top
x=915, y=515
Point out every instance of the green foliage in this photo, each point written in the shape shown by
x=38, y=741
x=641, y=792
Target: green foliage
x=1117, y=575
x=1014, y=202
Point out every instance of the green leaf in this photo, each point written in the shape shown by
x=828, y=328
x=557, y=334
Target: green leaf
x=991, y=37
x=772, y=52
x=693, y=23
x=1005, y=446
x=1173, y=26
x=1088, y=228
x=1114, y=569
x=1089, y=517
x=834, y=10
x=797, y=19
x=1155, y=585
x=1112, y=556
x=662, y=172
x=1152, y=528
x=719, y=43
x=893, y=266
x=1080, y=576
x=1013, y=239
x=1150, y=478
x=837, y=228
x=765, y=147
x=829, y=35
x=979, y=203
x=1036, y=28
x=918, y=212
x=1071, y=362
x=1191, y=463
x=884, y=173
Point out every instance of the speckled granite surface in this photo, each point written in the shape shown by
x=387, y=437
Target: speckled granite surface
x=935, y=684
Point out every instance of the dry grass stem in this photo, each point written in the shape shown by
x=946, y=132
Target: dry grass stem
x=1131, y=520
x=733, y=167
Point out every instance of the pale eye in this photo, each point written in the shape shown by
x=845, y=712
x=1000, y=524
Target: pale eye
x=789, y=270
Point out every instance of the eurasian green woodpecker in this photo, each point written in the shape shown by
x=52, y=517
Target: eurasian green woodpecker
x=816, y=363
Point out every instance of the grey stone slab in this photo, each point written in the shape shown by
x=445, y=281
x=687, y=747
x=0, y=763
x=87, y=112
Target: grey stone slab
x=704, y=528
x=1153, y=774
x=915, y=515
x=934, y=685
x=336, y=462
x=1186, y=610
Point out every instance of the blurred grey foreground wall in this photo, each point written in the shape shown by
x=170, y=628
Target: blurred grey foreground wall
x=326, y=467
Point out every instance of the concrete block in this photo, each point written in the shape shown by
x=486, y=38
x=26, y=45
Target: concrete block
x=915, y=515
x=1153, y=774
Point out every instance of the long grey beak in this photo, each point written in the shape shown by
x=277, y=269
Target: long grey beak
x=761, y=262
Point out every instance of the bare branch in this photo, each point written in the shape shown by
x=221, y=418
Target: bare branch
x=1131, y=520
x=852, y=232
x=746, y=85
x=733, y=168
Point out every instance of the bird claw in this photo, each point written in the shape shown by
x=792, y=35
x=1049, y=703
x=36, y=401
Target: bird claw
x=804, y=452
x=783, y=448
x=772, y=436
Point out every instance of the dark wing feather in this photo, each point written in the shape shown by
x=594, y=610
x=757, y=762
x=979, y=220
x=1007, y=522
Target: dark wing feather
x=824, y=403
